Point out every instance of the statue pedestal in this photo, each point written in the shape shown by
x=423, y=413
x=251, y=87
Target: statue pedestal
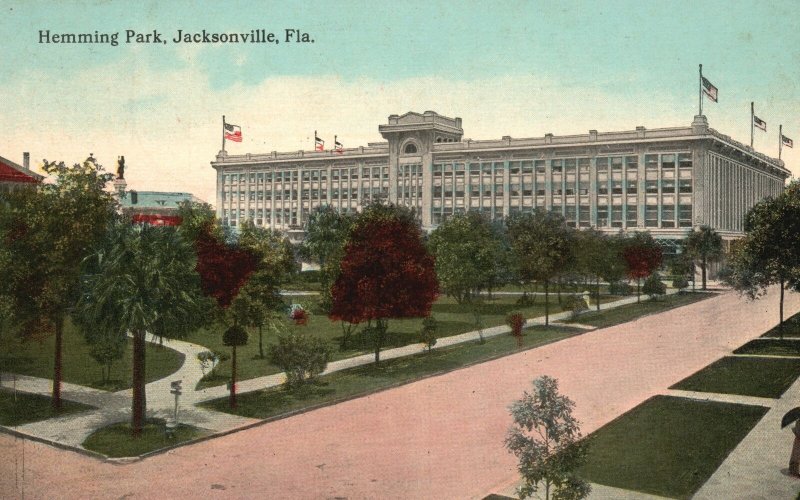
x=120, y=186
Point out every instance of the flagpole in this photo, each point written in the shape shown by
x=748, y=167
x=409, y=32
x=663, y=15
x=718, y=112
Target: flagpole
x=315, y=140
x=780, y=140
x=223, y=132
x=752, y=114
x=700, y=100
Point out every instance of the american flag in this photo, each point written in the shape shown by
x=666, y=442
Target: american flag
x=758, y=122
x=337, y=145
x=709, y=89
x=233, y=132
x=319, y=144
x=787, y=142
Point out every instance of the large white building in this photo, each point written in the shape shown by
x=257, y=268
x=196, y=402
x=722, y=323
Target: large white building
x=664, y=180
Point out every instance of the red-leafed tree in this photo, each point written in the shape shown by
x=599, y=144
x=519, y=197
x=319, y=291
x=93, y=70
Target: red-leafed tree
x=386, y=272
x=224, y=270
x=642, y=257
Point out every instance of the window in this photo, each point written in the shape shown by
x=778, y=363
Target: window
x=616, y=216
x=602, y=215
x=557, y=166
x=685, y=185
x=410, y=149
x=685, y=160
x=602, y=187
x=651, y=186
x=685, y=215
x=632, y=187
x=668, y=186
x=667, y=215
x=650, y=161
x=667, y=161
x=616, y=163
x=632, y=216
x=631, y=162
x=651, y=216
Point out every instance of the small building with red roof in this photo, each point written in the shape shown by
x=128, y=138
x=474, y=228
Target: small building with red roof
x=13, y=175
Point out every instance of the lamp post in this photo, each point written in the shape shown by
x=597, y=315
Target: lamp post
x=176, y=390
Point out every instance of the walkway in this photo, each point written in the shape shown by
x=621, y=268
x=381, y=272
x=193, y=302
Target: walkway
x=441, y=437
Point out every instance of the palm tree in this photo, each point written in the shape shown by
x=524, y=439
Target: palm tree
x=704, y=244
x=141, y=280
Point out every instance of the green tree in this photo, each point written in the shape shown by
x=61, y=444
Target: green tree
x=326, y=231
x=546, y=439
x=47, y=233
x=653, y=286
x=427, y=333
x=704, y=244
x=595, y=257
x=260, y=299
x=105, y=348
x=769, y=253
x=468, y=255
x=234, y=337
x=141, y=280
x=542, y=244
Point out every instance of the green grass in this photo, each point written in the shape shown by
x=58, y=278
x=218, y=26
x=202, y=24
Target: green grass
x=791, y=328
x=760, y=377
x=366, y=379
x=667, y=446
x=770, y=346
x=629, y=312
x=35, y=358
x=116, y=440
x=452, y=318
x=25, y=408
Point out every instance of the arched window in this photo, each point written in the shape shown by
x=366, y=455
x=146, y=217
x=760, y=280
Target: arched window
x=410, y=148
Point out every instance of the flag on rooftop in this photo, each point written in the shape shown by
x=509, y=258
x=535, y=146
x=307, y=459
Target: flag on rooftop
x=319, y=144
x=787, y=142
x=758, y=122
x=709, y=89
x=337, y=145
x=233, y=132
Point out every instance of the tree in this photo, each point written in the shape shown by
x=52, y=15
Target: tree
x=105, y=348
x=704, y=244
x=301, y=356
x=642, y=257
x=516, y=321
x=234, y=337
x=142, y=279
x=468, y=255
x=595, y=256
x=769, y=253
x=546, y=439
x=542, y=244
x=681, y=267
x=326, y=231
x=260, y=298
x=386, y=272
x=47, y=232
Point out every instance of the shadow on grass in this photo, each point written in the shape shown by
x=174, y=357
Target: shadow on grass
x=117, y=440
x=23, y=408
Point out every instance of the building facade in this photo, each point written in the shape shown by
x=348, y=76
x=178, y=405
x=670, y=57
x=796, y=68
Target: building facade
x=665, y=180
x=158, y=208
x=13, y=175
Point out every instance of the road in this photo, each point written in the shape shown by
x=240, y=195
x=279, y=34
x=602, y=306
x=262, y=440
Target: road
x=441, y=437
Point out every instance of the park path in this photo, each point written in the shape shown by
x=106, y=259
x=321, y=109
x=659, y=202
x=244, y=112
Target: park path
x=441, y=437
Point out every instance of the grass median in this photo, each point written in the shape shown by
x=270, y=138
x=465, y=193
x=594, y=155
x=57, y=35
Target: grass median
x=116, y=440
x=667, y=446
x=370, y=378
x=630, y=312
x=745, y=376
x=770, y=347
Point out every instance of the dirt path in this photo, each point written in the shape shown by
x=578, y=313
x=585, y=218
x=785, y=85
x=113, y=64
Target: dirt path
x=438, y=438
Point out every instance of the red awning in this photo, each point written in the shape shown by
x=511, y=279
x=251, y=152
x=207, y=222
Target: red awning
x=157, y=220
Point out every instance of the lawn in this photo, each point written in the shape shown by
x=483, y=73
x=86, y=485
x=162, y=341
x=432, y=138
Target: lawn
x=791, y=328
x=35, y=358
x=24, y=408
x=453, y=318
x=760, y=377
x=770, y=346
x=116, y=440
x=629, y=312
x=362, y=380
x=667, y=446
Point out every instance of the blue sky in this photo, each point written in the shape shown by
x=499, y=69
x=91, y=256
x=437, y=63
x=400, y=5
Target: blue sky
x=519, y=68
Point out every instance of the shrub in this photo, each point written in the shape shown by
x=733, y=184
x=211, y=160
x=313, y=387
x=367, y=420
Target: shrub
x=653, y=286
x=680, y=282
x=516, y=322
x=619, y=288
x=427, y=334
x=300, y=355
x=574, y=303
x=207, y=360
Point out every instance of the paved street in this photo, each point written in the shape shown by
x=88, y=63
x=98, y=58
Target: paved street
x=437, y=438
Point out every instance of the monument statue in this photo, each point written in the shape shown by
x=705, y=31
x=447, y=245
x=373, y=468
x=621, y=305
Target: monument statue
x=121, y=167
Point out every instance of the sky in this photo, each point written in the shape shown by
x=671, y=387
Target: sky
x=518, y=68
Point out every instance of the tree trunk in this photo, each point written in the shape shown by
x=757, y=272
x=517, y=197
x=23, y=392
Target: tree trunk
x=260, y=342
x=380, y=330
x=139, y=403
x=56, y=400
x=703, y=268
x=638, y=290
x=233, y=378
x=546, y=302
x=598, y=293
x=780, y=325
